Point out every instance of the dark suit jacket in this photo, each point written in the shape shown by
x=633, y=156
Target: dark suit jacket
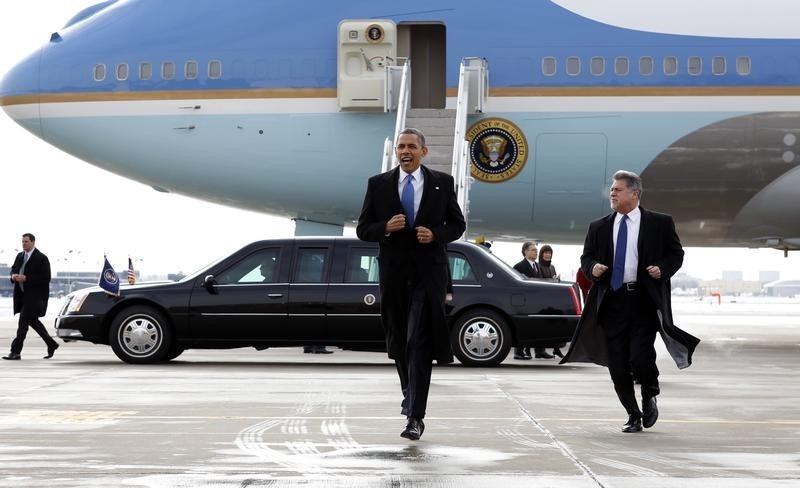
x=525, y=268
x=37, y=284
x=658, y=245
x=402, y=257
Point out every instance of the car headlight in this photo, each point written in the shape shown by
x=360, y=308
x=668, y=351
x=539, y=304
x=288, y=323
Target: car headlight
x=76, y=301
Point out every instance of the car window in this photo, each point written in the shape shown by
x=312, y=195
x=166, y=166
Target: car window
x=460, y=269
x=310, y=265
x=259, y=267
x=362, y=266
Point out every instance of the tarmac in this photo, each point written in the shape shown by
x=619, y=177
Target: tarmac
x=281, y=418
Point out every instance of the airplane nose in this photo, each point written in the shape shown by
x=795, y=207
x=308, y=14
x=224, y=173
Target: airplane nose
x=19, y=93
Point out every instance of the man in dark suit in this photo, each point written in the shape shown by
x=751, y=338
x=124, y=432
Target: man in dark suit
x=529, y=268
x=630, y=256
x=412, y=212
x=31, y=277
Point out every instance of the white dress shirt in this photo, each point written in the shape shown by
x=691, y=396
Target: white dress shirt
x=632, y=247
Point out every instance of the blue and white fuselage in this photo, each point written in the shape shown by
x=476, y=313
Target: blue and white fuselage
x=239, y=107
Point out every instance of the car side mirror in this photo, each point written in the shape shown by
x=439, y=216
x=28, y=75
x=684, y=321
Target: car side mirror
x=210, y=284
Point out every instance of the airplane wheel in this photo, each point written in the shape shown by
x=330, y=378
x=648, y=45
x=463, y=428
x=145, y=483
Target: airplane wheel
x=140, y=335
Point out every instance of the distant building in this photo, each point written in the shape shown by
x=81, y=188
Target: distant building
x=731, y=287
x=784, y=288
x=769, y=276
x=730, y=275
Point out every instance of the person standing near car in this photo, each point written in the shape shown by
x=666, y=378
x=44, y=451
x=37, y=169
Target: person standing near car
x=530, y=268
x=630, y=256
x=412, y=212
x=548, y=272
x=30, y=274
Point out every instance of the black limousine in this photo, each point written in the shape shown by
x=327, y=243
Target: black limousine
x=316, y=290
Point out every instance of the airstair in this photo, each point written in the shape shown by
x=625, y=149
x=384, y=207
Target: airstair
x=445, y=130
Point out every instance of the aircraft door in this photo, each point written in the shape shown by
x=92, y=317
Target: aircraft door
x=365, y=47
x=425, y=45
x=570, y=181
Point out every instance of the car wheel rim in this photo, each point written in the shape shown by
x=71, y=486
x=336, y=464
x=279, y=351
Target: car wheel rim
x=481, y=338
x=140, y=335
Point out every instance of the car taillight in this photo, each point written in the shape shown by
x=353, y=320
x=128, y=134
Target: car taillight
x=576, y=301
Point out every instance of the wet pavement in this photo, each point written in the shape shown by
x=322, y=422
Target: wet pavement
x=280, y=418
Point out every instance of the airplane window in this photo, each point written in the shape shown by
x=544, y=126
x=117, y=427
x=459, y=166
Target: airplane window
x=718, y=65
x=215, y=70
x=573, y=66
x=99, y=72
x=598, y=66
x=694, y=65
x=145, y=71
x=646, y=66
x=190, y=70
x=621, y=66
x=122, y=71
x=670, y=65
x=167, y=70
x=549, y=66
x=743, y=65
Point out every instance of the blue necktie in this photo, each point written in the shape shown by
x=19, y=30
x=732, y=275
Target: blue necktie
x=618, y=273
x=407, y=199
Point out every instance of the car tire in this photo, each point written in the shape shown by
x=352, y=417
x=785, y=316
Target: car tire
x=140, y=335
x=480, y=338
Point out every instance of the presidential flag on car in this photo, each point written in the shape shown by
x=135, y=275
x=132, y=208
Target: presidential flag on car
x=131, y=272
x=109, y=281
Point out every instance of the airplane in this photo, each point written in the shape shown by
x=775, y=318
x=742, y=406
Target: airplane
x=286, y=107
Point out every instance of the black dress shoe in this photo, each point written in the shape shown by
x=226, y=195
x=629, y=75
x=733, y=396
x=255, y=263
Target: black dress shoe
x=13, y=357
x=650, y=409
x=521, y=356
x=414, y=429
x=542, y=354
x=322, y=350
x=634, y=424
x=51, y=351
x=557, y=352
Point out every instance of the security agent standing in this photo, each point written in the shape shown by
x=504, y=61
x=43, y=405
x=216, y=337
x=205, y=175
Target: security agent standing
x=30, y=274
x=412, y=212
x=630, y=256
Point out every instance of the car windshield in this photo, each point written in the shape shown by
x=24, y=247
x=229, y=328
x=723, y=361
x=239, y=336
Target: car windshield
x=199, y=271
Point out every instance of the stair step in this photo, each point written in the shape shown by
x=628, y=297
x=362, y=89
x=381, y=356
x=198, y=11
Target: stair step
x=416, y=113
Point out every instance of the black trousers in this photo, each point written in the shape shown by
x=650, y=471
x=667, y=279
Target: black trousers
x=416, y=364
x=630, y=321
x=27, y=319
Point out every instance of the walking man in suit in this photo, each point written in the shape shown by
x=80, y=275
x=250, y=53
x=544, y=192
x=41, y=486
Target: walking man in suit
x=529, y=268
x=412, y=212
x=31, y=277
x=630, y=256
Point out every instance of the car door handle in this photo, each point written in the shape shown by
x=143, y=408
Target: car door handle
x=275, y=295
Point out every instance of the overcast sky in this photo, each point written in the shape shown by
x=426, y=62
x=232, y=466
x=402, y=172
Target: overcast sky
x=169, y=232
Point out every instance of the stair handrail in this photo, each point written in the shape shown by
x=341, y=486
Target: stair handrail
x=404, y=101
x=472, y=71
